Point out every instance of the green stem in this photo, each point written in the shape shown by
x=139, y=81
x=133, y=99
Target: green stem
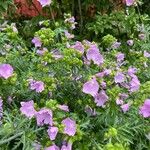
x=73, y=13
x=53, y=18
x=11, y=138
x=80, y=12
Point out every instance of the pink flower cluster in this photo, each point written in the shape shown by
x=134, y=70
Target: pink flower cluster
x=45, y=117
x=71, y=22
x=92, y=87
x=127, y=80
x=91, y=52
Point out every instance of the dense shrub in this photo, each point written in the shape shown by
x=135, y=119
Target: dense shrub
x=61, y=88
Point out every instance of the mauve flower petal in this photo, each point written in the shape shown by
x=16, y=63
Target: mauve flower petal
x=37, y=146
x=120, y=57
x=125, y=107
x=134, y=84
x=145, y=109
x=53, y=147
x=6, y=71
x=27, y=108
x=64, y=108
x=78, y=46
x=123, y=96
x=70, y=126
x=37, y=42
x=44, y=116
x=103, y=84
x=119, y=77
x=146, y=54
x=94, y=55
x=141, y=36
x=68, y=35
x=38, y=86
x=132, y=71
x=116, y=45
x=119, y=101
x=129, y=2
x=130, y=42
x=67, y=147
x=101, y=98
x=91, y=87
x=52, y=132
x=45, y=2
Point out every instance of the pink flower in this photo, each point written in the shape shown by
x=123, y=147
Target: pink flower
x=86, y=61
x=63, y=107
x=123, y=96
x=6, y=71
x=119, y=101
x=67, y=147
x=120, y=57
x=68, y=35
x=94, y=55
x=141, y=36
x=78, y=46
x=41, y=52
x=70, y=126
x=36, y=146
x=146, y=54
x=38, y=86
x=116, y=45
x=44, y=116
x=134, y=84
x=91, y=87
x=37, y=42
x=56, y=54
x=52, y=132
x=103, y=84
x=53, y=147
x=130, y=42
x=145, y=109
x=125, y=107
x=45, y=2
x=132, y=71
x=27, y=108
x=106, y=72
x=119, y=77
x=101, y=98
x=129, y=2
x=70, y=20
x=90, y=111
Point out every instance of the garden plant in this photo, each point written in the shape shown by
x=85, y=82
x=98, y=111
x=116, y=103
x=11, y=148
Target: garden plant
x=74, y=75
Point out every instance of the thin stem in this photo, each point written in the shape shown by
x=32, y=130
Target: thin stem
x=53, y=18
x=80, y=12
x=73, y=13
x=11, y=138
